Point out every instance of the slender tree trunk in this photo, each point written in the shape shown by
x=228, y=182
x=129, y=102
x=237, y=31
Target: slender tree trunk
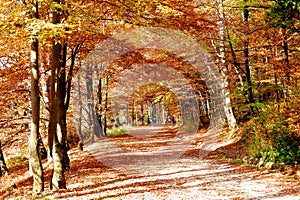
x=62, y=139
x=73, y=57
x=246, y=57
x=56, y=48
x=132, y=113
x=106, y=107
x=100, y=112
x=91, y=105
x=286, y=56
x=148, y=112
x=224, y=70
x=3, y=167
x=35, y=164
x=58, y=180
x=80, y=110
x=236, y=64
x=287, y=63
x=142, y=111
x=62, y=110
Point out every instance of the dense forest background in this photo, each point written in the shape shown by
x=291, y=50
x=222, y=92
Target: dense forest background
x=44, y=43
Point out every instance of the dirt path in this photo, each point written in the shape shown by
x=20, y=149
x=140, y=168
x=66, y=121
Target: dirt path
x=151, y=163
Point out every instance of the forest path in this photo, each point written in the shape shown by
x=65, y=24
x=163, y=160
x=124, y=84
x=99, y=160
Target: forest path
x=141, y=165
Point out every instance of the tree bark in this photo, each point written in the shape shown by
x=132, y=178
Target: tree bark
x=63, y=99
x=100, y=112
x=246, y=56
x=236, y=63
x=58, y=180
x=224, y=70
x=35, y=164
x=286, y=58
x=106, y=108
x=3, y=167
x=80, y=110
x=94, y=128
x=142, y=113
x=287, y=63
x=62, y=110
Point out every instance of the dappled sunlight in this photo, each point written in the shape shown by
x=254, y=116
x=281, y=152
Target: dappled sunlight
x=163, y=99
x=141, y=173
x=154, y=167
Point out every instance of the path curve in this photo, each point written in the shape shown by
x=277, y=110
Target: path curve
x=187, y=177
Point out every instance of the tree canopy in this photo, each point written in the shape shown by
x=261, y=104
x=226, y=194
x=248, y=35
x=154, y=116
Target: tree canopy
x=249, y=76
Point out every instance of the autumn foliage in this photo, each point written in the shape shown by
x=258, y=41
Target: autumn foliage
x=254, y=44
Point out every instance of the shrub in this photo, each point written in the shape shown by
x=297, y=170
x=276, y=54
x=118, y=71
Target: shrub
x=268, y=136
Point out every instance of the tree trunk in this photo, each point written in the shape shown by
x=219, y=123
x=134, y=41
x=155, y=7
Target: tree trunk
x=58, y=180
x=62, y=110
x=132, y=114
x=3, y=167
x=80, y=110
x=142, y=115
x=287, y=63
x=58, y=177
x=286, y=55
x=100, y=112
x=94, y=128
x=35, y=164
x=246, y=56
x=105, y=108
x=236, y=63
x=224, y=70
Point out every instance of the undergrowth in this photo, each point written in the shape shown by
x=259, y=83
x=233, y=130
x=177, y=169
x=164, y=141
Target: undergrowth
x=16, y=161
x=273, y=135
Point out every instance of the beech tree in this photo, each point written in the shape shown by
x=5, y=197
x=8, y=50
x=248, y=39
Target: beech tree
x=56, y=141
x=35, y=163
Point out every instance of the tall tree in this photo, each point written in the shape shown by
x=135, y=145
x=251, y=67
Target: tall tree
x=246, y=55
x=35, y=164
x=62, y=107
x=224, y=68
x=58, y=180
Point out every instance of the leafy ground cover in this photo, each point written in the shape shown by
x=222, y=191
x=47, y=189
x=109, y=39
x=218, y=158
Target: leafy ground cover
x=188, y=177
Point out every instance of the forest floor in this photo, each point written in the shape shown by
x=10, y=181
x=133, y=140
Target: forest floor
x=150, y=163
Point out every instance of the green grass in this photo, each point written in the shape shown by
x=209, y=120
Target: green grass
x=238, y=160
x=116, y=131
x=220, y=156
x=15, y=161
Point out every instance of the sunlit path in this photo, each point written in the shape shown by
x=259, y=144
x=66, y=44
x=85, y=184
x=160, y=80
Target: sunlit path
x=147, y=146
x=150, y=168
x=147, y=168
